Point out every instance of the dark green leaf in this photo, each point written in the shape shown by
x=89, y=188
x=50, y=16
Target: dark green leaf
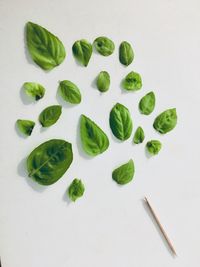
x=70, y=92
x=147, y=103
x=104, y=46
x=132, y=81
x=82, y=51
x=25, y=126
x=50, y=115
x=124, y=174
x=153, y=147
x=34, y=90
x=76, y=189
x=139, y=136
x=166, y=121
x=126, y=54
x=103, y=81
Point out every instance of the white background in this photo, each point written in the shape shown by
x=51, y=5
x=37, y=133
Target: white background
x=109, y=226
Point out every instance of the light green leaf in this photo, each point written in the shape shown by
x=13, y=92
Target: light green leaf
x=153, y=147
x=139, y=136
x=126, y=54
x=76, y=189
x=70, y=92
x=166, y=121
x=104, y=46
x=132, y=81
x=82, y=51
x=34, y=90
x=50, y=115
x=124, y=174
x=25, y=126
x=103, y=81
x=147, y=103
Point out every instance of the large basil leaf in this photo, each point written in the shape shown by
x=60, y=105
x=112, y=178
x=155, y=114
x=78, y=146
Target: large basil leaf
x=94, y=140
x=25, y=126
x=124, y=174
x=153, y=147
x=147, y=103
x=104, y=46
x=49, y=161
x=126, y=54
x=139, y=136
x=82, y=51
x=45, y=48
x=70, y=92
x=121, y=122
x=76, y=189
x=50, y=115
x=132, y=81
x=103, y=81
x=34, y=90
x=166, y=121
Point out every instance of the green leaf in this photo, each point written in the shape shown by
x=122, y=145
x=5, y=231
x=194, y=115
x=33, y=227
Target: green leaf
x=139, y=136
x=50, y=115
x=124, y=174
x=70, y=92
x=76, y=189
x=94, y=140
x=25, y=126
x=121, y=122
x=147, y=103
x=82, y=51
x=34, y=90
x=104, y=46
x=126, y=54
x=132, y=81
x=166, y=121
x=103, y=81
x=49, y=161
x=153, y=147
x=45, y=48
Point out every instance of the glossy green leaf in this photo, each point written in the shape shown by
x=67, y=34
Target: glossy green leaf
x=126, y=54
x=82, y=51
x=124, y=174
x=50, y=115
x=94, y=140
x=34, y=90
x=49, y=161
x=139, y=136
x=132, y=81
x=45, y=48
x=166, y=121
x=121, y=122
x=70, y=92
x=147, y=103
x=103, y=81
x=104, y=46
x=25, y=126
x=76, y=189
x=153, y=147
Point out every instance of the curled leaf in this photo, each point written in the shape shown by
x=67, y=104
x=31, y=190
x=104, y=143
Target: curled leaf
x=76, y=189
x=34, y=90
x=139, y=136
x=104, y=46
x=103, y=81
x=25, y=126
x=126, y=54
x=132, y=81
x=153, y=147
x=82, y=51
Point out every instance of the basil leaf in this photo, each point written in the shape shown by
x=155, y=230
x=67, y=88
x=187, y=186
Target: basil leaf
x=153, y=147
x=94, y=140
x=34, y=90
x=49, y=161
x=104, y=46
x=103, y=81
x=45, y=48
x=50, y=115
x=69, y=92
x=166, y=121
x=121, y=122
x=25, y=126
x=126, y=54
x=76, y=189
x=147, y=103
x=139, y=136
x=82, y=51
x=132, y=81
x=124, y=174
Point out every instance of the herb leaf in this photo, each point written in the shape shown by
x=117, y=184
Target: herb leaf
x=132, y=81
x=104, y=46
x=166, y=121
x=126, y=54
x=153, y=147
x=82, y=51
x=94, y=140
x=147, y=103
x=121, y=122
x=103, y=81
x=50, y=115
x=124, y=174
x=69, y=92
x=34, y=90
x=139, y=136
x=45, y=48
x=76, y=189
x=25, y=126
x=49, y=161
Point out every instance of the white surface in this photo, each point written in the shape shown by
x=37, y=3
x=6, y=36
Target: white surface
x=109, y=225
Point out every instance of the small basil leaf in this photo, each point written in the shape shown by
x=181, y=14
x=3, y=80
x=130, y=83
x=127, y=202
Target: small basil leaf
x=25, y=126
x=126, y=54
x=139, y=136
x=104, y=46
x=121, y=122
x=49, y=161
x=147, y=103
x=166, y=121
x=82, y=51
x=103, y=81
x=94, y=140
x=50, y=115
x=153, y=147
x=45, y=48
x=76, y=189
x=132, y=81
x=124, y=174
x=34, y=90
x=70, y=92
